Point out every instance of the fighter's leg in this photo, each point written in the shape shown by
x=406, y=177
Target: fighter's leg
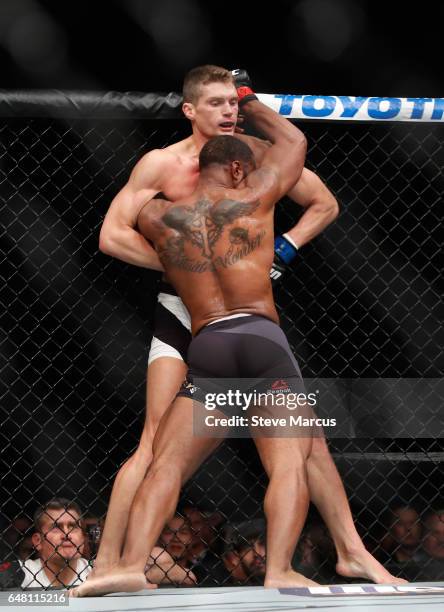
x=285, y=505
x=177, y=454
x=328, y=494
x=164, y=377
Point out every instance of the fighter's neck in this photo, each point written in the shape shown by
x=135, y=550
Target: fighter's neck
x=195, y=142
x=214, y=179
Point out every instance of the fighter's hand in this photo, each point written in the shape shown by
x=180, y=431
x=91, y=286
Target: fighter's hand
x=241, y=78
x=242, y=82
x=238, y=129
x=284, y=253
x=277, y=271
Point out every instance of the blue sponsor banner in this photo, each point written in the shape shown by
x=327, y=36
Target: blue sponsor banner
x=355, y=108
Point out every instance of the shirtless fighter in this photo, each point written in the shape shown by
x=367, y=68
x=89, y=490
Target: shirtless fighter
x=217, y=249
x=211, y=104
x=230, y=301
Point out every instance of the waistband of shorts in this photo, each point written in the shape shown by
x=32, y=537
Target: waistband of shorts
x=231, y=322
x=229, y=317
x=165, y=287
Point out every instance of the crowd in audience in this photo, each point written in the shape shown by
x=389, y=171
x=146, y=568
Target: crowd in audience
x=56, y=548
x=413, y=545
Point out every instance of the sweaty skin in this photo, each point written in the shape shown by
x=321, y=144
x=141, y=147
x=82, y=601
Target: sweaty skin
x=217, y=245
x=174, y=171
x=209, y=244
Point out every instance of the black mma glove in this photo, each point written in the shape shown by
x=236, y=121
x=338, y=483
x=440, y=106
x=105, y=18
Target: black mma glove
x=277, y=270
x=242, y=82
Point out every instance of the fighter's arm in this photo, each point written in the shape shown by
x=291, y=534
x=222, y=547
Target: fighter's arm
x=321, y=207
x=118, y=237
x=282, y=163
x=309, y=191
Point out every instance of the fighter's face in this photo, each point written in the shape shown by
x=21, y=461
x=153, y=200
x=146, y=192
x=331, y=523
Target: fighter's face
x=215, y=111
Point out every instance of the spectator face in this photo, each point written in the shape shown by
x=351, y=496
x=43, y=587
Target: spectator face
x=16, y=538
x=310, y=545
x=434, y=539
x=202, y=526
x=177, y=537
x=201, y=530
x=252, y=560
x=17, y=529
x=60, y=536
x=406, y=529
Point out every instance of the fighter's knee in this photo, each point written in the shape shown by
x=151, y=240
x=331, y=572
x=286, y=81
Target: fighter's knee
x=164, y=471
x=299, y=470
x=319, y=446
x=287, y=475
x=145, y=449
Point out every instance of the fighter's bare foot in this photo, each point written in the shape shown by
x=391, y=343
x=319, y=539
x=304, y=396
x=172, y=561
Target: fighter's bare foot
x=363, y=565
x=116, y=581
x=286, y=580
x=98, y=572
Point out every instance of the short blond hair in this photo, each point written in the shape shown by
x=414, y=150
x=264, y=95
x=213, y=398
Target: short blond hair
x=203, y=75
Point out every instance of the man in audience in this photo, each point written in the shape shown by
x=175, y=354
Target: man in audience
x=400, y=548
x=204, y=553
x=204, y=529
x=405, y=531
x=315, y=555
x=11, y=573
x=17, y=537
x=433, y=544
x=176, y=540
x=59, y=540
x=245, y=554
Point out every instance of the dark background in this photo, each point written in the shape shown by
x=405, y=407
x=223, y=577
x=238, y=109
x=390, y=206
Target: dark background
x=362, y=300
x=340, y=47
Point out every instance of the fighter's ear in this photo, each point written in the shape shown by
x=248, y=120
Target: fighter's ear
x=237, y=171
x=188, y=110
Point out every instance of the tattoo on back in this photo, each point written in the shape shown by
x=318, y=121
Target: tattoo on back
x=203, y=226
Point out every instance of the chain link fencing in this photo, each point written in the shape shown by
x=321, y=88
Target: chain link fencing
x=359, y=306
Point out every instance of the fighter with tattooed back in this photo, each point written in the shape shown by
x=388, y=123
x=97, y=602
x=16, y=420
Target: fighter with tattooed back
x=217, y=244
x=217, y=248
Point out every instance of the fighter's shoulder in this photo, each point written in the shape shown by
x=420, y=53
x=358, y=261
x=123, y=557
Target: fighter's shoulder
x=257, y=184
x=157, y=158
x=152, y=168
x=253, y=140
x=257, y=145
